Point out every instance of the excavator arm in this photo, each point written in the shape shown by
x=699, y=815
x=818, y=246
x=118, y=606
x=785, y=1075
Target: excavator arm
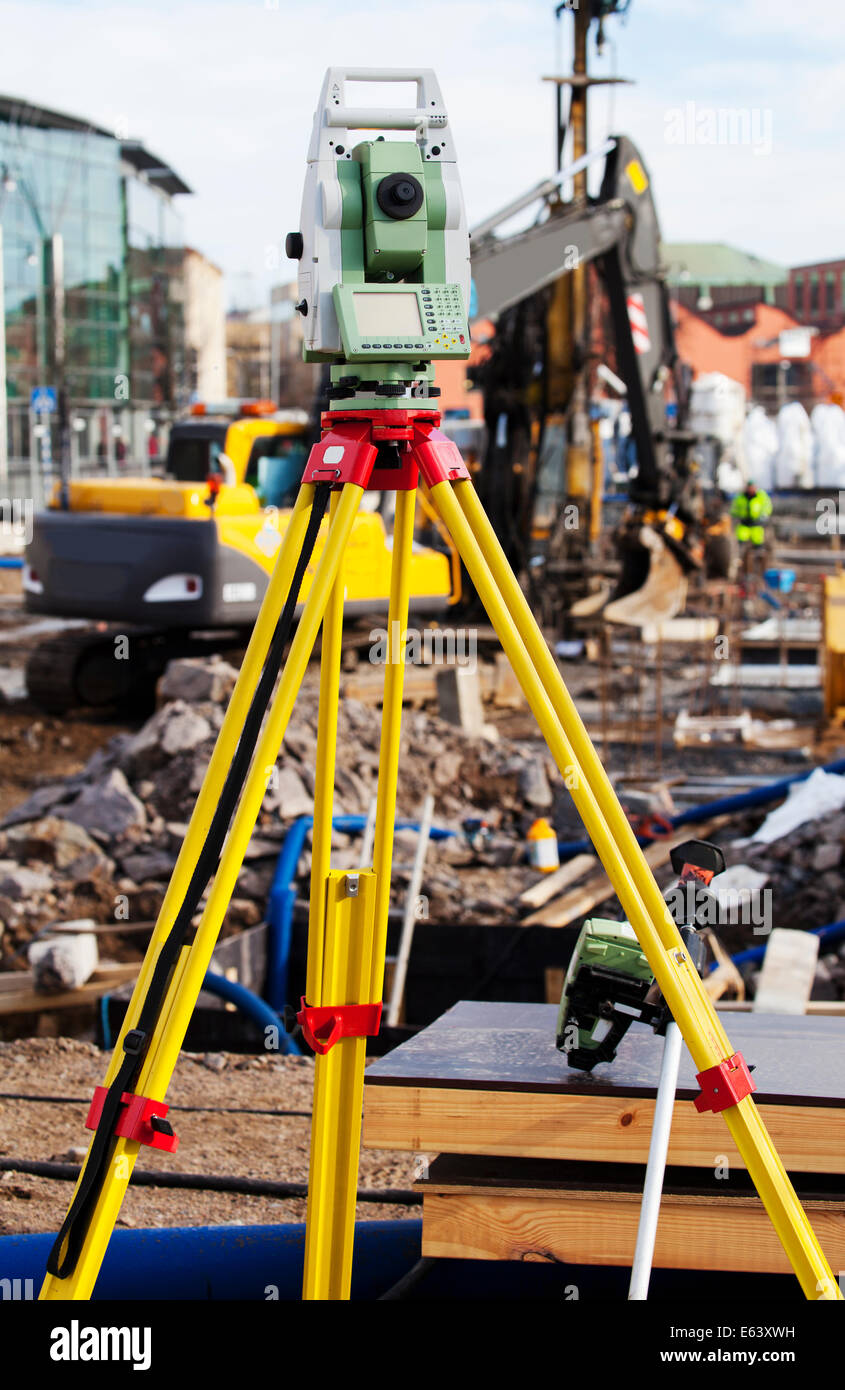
x=620, y=232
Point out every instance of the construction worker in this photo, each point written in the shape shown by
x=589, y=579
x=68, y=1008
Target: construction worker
x=751, y=509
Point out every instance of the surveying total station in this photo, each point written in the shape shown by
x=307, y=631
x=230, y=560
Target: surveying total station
x=384, y=283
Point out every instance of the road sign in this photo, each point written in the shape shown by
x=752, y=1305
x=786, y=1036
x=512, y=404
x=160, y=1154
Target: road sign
x=43, y=400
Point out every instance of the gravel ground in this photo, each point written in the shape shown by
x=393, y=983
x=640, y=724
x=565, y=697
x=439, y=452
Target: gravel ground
x=269, y=1146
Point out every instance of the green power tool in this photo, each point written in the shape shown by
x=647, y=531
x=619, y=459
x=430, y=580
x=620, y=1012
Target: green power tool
x=609, y=983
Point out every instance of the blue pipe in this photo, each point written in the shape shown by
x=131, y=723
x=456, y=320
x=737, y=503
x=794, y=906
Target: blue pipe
x=834, y=931
x=258, y=1263
x=254, y=1007
x=282, y=896
x=11, y=562
x=244, y=999
x=725, y=805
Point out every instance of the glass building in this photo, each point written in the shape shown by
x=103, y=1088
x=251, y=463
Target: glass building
x=90, y=218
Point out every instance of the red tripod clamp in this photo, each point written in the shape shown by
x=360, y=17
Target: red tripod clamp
x=348, y=450
x=324, y=1025
x=137, y=1120
x=724, y=1085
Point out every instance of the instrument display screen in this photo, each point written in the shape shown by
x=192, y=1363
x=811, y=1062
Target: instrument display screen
x=389, y=314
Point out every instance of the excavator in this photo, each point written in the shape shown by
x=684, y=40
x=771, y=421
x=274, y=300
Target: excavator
x=178, y=564
x=538, y=462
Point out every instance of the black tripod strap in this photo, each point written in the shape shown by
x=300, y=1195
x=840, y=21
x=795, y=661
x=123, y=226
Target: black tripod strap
x=68, y=1244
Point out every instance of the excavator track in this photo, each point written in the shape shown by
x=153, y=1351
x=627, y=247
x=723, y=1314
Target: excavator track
x=78, y=667
x=106, y=666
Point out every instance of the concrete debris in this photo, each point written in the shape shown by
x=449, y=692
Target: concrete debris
x=19, y=882
x=146, y=864
x=42, y=800
x=63, y=962
x=194, y=680
x=175, y=728
x=184, y=729
x=826, y=856
x=286, y=794
x=61, y=843
x=534, y=784
x=215, y=1061
x=459, y=699
x=107, y=808
x=77, y=1153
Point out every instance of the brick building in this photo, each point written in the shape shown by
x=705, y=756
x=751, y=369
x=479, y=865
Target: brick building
x=816, y=295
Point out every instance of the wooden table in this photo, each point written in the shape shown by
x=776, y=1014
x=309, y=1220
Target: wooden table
x=539, y=1161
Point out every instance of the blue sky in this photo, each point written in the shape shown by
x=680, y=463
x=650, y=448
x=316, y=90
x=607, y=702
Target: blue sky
x=225, y=93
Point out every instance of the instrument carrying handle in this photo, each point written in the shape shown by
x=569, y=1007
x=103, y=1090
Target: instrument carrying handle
x=429, y=110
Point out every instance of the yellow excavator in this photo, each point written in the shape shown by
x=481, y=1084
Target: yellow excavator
x=675, y=524
x=179, y=563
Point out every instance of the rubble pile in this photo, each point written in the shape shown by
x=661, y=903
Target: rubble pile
x=102, y=843
x=803, y=870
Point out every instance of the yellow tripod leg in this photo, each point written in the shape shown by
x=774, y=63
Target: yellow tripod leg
x=332, y=634
x=167, y=1040
x=338, y=1090
x=391, y=724
x=266, y=753
x=521, y=640
x=224, y=749
x=346, y=941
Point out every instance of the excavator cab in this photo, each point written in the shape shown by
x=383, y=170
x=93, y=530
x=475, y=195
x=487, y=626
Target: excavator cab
x=275, y=469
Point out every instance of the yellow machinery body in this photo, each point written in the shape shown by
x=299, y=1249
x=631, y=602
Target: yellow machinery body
x=194, y=548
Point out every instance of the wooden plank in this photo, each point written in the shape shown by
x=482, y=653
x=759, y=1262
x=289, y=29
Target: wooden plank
x=553, y=883
x=601, y=1229
x=789, y=969
x=726, y=975
x=19, y=996
x=427, y=1119
x=554, y=980
x=579, y=902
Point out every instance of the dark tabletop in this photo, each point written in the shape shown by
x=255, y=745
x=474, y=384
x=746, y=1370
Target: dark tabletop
x=511, y=1047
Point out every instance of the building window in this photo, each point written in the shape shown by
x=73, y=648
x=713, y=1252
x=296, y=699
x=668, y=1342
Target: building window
x=814, y=294
x=830, y=292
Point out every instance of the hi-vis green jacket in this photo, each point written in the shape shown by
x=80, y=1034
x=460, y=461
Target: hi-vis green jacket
x=750, y=514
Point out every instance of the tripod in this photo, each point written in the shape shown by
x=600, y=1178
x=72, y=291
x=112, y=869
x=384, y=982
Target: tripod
x=359, y=449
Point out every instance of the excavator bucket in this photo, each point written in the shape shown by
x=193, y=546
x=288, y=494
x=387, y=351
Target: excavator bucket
x=652, y=587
